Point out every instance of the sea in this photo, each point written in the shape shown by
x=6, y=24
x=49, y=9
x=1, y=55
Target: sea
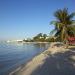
x=14, y=55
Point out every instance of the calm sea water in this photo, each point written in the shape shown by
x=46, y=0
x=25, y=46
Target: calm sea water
x=13, y=55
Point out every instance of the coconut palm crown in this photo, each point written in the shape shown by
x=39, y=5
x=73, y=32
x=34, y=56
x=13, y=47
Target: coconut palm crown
x=64, y=24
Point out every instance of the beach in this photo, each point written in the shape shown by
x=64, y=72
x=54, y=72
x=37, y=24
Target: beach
x=54, y=61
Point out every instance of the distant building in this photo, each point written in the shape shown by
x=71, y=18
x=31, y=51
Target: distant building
x=14, y=41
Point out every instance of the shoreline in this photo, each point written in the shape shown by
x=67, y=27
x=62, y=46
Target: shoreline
x=15, y=71
x=18, y=69
x=28, y=42
x=38, y=61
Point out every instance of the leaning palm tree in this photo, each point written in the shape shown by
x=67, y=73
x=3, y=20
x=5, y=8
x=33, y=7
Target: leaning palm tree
x=64, y=24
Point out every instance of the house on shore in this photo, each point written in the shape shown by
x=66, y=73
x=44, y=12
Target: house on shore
x=71, y=40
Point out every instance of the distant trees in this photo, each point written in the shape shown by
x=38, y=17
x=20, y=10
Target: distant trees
x=44, y=36
x=27, y=40
x=40, y=37
x=37, y=37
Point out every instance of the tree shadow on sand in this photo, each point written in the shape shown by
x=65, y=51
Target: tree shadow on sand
x=58, y=64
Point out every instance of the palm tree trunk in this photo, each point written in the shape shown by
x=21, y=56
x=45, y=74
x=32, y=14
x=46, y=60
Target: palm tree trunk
x=65, y=36
x=66, y=40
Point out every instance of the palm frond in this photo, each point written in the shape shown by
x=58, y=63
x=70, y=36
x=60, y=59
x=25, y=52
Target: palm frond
x=71, y=15
x=53, y=31
x=57, y=33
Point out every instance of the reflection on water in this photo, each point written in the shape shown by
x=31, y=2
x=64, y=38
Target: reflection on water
x=13, y=55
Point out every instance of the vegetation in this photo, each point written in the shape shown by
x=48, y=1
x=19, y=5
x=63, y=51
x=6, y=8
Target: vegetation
x=64, y=25
x=28, y=40
x=40, y=38
x=64, y=28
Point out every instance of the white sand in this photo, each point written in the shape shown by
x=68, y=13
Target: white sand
x=32, y=65
x=56, y=49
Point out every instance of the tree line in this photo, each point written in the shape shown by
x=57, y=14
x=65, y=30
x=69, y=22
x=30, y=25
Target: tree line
x=40, y=38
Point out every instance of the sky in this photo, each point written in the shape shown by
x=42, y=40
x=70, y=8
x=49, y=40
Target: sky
x=21, y=19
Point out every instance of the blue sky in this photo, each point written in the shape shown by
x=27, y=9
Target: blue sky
x=25, y=18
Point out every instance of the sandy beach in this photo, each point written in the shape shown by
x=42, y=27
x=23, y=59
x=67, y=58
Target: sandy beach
x=54, y=61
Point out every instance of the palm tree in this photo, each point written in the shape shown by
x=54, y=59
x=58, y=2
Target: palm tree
x=64, y=24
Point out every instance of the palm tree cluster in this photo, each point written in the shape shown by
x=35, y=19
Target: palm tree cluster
x=64, y=24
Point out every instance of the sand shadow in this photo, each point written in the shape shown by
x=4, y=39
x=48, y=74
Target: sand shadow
x=57, y=64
